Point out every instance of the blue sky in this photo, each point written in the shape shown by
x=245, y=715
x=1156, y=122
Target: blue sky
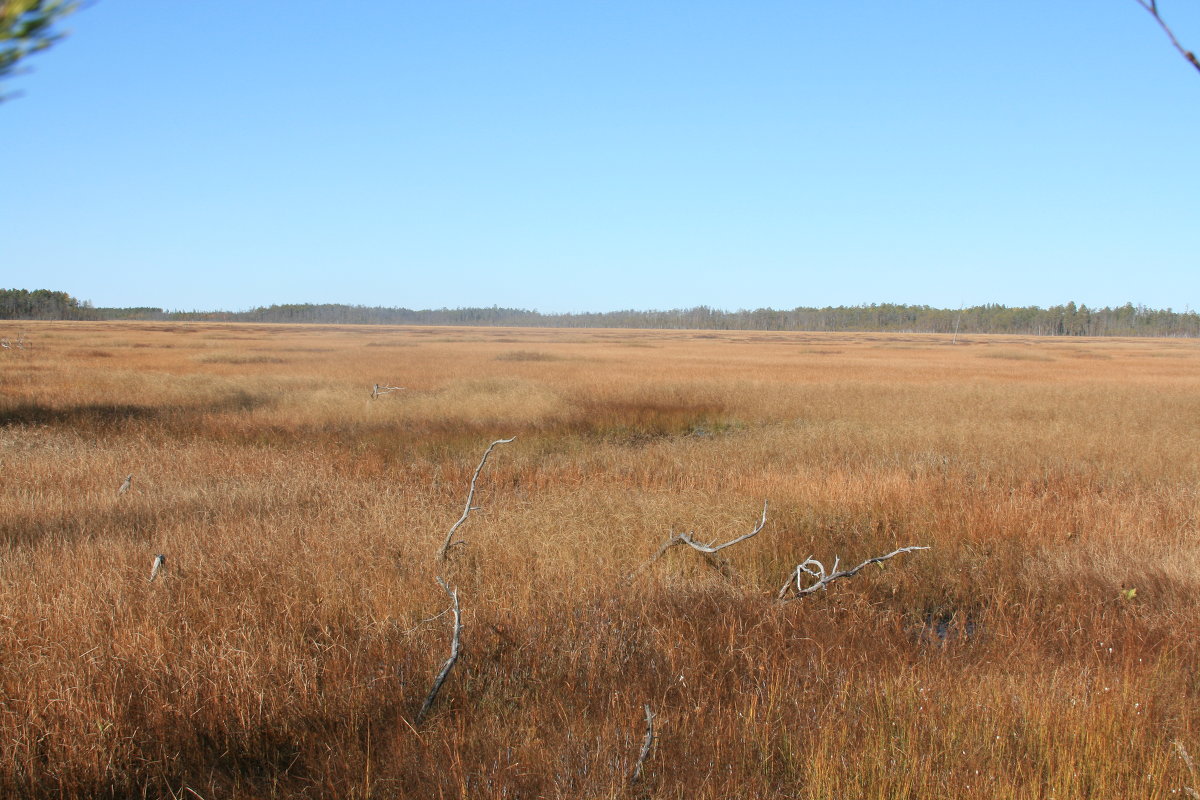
x=578, y=155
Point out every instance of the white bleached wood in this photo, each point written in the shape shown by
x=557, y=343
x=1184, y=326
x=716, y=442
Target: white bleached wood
x=470, y=497
x=378, y=390
x=647, y=745
x=815, y=569
x=709, y=551
x=455, y=651
x=1190, y=791
x=159, y=567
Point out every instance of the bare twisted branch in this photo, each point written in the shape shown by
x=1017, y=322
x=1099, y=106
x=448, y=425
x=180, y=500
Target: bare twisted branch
x=470, y=496
x=455, y=651
x=379, y=391
x=1190, y=791
x=815, y=569
x=158, y=567
x=708, y=550
x=647, y=745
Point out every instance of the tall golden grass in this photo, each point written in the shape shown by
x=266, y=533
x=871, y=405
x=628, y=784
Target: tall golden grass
x=1044, y=647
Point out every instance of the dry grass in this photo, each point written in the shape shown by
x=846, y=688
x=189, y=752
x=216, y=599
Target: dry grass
x=288, y=650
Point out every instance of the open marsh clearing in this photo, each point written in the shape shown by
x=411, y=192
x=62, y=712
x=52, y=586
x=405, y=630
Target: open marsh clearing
x=1045, y=646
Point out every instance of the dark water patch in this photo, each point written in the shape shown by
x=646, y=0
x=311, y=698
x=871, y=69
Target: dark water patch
x=942, y=628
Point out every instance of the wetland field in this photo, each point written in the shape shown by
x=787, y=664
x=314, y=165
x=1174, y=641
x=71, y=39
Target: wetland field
x=1044, y=646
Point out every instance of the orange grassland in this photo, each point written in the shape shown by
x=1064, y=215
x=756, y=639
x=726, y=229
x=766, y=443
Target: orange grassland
x=1045, y=646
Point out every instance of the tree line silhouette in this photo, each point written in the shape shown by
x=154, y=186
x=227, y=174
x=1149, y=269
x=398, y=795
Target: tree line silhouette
x=1061, y=320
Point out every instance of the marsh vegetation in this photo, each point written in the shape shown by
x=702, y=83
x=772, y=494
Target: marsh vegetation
x=1043, y=647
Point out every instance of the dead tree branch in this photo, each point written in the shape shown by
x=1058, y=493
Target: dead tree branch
x=455, y=650
x=378, y=390
x=470, y=496
x=1190, y=791
x=647, y=745
x=1151, y=7
x=812, y=567
x=709, y=551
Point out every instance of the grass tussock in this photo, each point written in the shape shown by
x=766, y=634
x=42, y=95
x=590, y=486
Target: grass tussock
x=1016, y=355
x=240, y=358
x=1042, y=647
x=527, y=355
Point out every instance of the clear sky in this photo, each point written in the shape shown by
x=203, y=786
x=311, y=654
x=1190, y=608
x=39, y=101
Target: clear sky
x=590, y=156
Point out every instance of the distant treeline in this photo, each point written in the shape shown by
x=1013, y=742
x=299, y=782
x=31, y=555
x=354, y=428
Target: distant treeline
x=1063, y=320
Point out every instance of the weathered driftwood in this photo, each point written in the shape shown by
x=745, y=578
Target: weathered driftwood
x=455, y=650
x=378, y=390
x=709, y=551
x=824, y=578
x=470, y=497
x=159, y=567
x=1190, y=791
x=647, y=745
